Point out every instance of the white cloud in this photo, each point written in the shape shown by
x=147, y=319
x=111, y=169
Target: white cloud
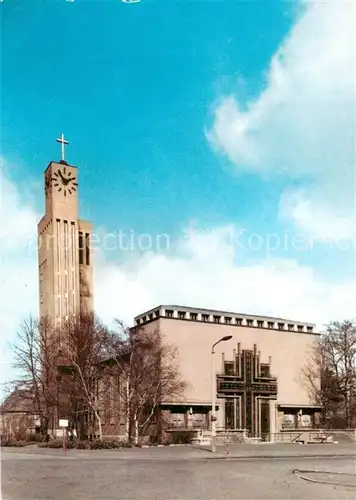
x=303, y=123
x=202, y=272
x=199, y=270
x=18, y=265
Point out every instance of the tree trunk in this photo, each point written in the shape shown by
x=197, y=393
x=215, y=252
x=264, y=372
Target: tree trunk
x=127, y=412
x=99, y=425
x=136, y=428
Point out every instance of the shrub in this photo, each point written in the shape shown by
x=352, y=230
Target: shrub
x=56, y=444
x=182, y=437
x=82, y=445
x=12, y=443
x=105, y=444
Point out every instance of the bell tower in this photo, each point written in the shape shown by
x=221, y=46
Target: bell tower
x=64, y=251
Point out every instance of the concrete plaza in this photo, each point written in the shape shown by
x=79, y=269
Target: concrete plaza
x=180, y=473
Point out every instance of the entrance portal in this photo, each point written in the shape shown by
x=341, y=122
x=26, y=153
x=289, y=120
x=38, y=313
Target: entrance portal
x=247, y=387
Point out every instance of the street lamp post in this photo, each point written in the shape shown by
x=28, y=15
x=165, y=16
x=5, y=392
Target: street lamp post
x=213, y=399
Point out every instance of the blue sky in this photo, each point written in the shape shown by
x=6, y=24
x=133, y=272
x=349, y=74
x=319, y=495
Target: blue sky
x=212, y=114
x=132, y=88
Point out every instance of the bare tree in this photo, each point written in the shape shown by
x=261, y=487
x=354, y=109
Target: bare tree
x=35, y=357
x=330, y=373
x=148, y=375
x=83, y=346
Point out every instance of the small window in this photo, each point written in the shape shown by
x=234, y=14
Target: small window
x=227, y=320
x=280, y=326
x=205, y=317
x=181, y=315
x=193, y=316
x=300, y=328
x=270, y=324
x=239, y=321
x=260, y=324
x=156, y=314
x=229, y=368
x=265, y=371
x=250, y=322
x=217, y=319
x=309, y=329
x=290, y=327
x=150, y=316
x=169, y=314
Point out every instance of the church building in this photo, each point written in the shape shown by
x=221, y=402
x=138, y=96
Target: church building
x=258, y=385
x=251, y=366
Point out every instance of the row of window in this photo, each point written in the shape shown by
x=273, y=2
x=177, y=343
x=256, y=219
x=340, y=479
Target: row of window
x=227, y=320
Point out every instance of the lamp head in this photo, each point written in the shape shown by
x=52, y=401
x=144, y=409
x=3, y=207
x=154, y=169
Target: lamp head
x=227, y=337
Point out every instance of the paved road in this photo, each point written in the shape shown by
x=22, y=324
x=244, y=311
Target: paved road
x=160, y=474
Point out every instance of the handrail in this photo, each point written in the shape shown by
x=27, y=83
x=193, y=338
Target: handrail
x=297, y=437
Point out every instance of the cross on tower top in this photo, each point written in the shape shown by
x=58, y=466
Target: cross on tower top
x=63, y=142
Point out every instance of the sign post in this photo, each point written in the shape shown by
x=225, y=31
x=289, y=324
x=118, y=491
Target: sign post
x=63, y=423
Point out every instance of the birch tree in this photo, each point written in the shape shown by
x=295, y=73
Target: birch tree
x=83, y=347
x=148, y=375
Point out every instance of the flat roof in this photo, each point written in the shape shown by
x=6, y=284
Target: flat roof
x=223, y=313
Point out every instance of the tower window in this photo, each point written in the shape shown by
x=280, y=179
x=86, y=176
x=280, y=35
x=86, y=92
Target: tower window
x=81, y=249
x=87, y=249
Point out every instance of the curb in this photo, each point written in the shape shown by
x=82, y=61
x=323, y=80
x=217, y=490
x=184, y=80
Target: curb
x=278, y=457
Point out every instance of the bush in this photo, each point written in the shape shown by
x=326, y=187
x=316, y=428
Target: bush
x=56, y=444
x=82, y=445
x=12, y=443
x=105, y=444
x=182, y=437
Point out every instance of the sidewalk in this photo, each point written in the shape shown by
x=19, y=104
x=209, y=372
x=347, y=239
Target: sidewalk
x=281, y=450
x=195, y=452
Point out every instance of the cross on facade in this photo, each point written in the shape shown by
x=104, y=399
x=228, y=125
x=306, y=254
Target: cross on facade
x=63, y=142
x=248, y=381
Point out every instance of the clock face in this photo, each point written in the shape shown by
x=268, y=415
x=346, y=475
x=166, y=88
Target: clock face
x=64, y=181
